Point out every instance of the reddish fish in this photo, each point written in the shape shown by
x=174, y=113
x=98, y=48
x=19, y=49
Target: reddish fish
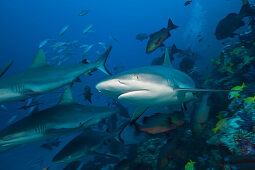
x=156, y=39
x=160, y=123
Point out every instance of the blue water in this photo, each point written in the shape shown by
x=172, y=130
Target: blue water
x=24, y=24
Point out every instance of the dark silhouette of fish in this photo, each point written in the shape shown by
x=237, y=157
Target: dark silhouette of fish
x=156, y=39
x=187, y=3
x=142, y=36
x=160, y=60
x=87, y=94
x=228, y=25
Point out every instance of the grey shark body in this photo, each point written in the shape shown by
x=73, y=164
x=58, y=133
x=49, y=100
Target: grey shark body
x=66, y=117
x=86, y=143
x=42, y=78
x=150, y=86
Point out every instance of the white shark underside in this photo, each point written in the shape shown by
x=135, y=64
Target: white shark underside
x=66, y=117
x=42, y=78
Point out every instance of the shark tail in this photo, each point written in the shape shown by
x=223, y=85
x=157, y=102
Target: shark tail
x=171, y=26
x=100, y=63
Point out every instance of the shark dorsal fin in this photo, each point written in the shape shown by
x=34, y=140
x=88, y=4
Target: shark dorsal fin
x=167, y=61
x=67, y=97
x=39, y=60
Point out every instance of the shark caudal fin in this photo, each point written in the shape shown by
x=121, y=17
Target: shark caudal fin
x=5, y=68
x=170, y=25
x=101, y=61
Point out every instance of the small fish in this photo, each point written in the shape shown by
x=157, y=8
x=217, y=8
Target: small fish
x=234, y=93
x=190, y=165
x=84, y=12
x=160, y=123
x=88, y=29
x=84, y=46
x=249, y=100
x=43, y=43
x=156, y=39
x=187, y=3
x=63, y=30
x=220, y=125
x=11, y=120
x=87, y=94
x=142, y=36
x=102, y=44
x=113, y=38
x=4, y=107
x=87, y=50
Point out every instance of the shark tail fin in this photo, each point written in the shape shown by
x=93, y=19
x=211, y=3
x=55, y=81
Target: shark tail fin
x=170, y=25
x=5, y=68
x=117, y=132
x=101, y=61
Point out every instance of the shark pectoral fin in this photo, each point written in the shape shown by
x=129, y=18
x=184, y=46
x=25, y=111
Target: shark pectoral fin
x=139, y=110
x=5, y=68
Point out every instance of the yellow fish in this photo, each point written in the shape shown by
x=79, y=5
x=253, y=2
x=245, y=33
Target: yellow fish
x=220, y=125
x=249, y=100
x=236, y=90
x=190, y=165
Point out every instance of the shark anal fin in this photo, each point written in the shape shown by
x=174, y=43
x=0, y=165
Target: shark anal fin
x=139, y=110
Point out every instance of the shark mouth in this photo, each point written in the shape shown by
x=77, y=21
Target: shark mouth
x=133, y=93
